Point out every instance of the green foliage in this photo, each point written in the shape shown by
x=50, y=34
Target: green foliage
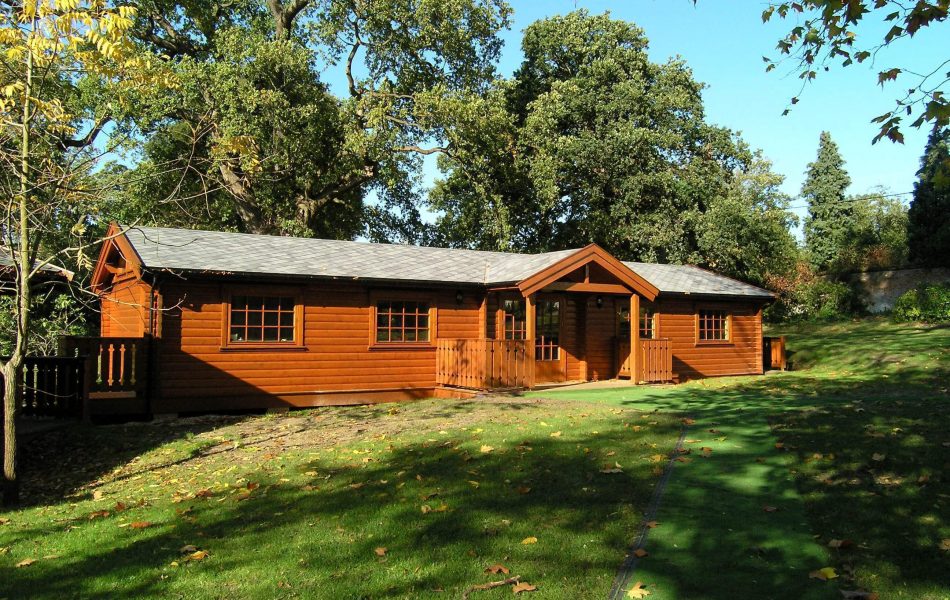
x=746, y=233
x=929, y=216
x=829, y=213
x=806, y=295
x=590, y=141
x=929, y=303
x=877, y=235
x=255, y=141
x=52, y=317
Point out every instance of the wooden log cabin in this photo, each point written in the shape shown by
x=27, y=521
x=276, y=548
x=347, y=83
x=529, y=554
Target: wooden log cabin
x=238, y=321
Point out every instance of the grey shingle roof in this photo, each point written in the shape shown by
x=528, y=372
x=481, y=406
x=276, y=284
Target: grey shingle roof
x=687, y=279
x=222, y=252
x=6, y=262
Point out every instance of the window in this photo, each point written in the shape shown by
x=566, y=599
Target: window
x=647, y=323
x=401, y=321
x=516, y=323
x=547, y=346
x=713, y=326
x=261, y=319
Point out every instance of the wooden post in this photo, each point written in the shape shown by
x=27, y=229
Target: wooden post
x=530, y=326
x=483, y=318
x=634, y=339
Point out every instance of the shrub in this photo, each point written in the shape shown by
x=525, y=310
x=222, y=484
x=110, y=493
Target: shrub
x=929, y=303
x=807, y=296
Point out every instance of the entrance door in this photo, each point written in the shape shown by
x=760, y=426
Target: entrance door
x=549, y=358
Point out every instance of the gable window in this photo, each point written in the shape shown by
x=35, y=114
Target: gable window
x=402, y=321
x=262, y=320
x=647, y=323
x=713, y=326
x=516, y=322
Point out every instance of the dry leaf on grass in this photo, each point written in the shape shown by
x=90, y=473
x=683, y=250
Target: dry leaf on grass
x=769, y=509
x=4, y=520
x=688, y=421
x=530, y=540
x=640, y=553
x=638, y=591
x=25, y=562
x=945, y=545
x=199, y=555
x=189, y=549
x=523, y=587
x=97, y=495
x=486, y=449
x=523, y=489
x=616, y=468
x=840, y=543
x=140, y=524
x=824, y=574
x=381, y=551
x=498, y=568
x=652, y=524
x=878, y=457
x=556, y=434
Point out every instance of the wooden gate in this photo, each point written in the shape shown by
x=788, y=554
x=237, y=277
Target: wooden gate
x=655, y=364
x=484, y=364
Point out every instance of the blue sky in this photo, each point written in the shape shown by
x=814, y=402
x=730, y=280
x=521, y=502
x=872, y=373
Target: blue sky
x=723, y=41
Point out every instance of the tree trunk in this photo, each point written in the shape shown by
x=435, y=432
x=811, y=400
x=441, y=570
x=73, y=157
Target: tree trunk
x=11, y=485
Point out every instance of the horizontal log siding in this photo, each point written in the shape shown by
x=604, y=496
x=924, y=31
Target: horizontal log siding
x=196, y=373
x=743, y=356
x=125, y=310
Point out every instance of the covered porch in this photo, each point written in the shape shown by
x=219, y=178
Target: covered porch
x=570, y=322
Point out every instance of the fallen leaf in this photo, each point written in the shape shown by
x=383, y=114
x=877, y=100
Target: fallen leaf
x=381, y=551
x=556, y=434
x=824, y=574
x=204, y=494
x=652, y=524
x=840, y=543
x=945, y=545
x=4, y=520
x=356, y=486
x=140, y=524
x=97, y=514
x=25, y=562
x=523, y=489
x=769, y=509
x=640, y=553
x=252, y=486
x=498, y=568
x=189, y=549
x=878, y=457
x=614, y=469
x=707, y=451
x=97, y=495
x=199, y=555
x=530, y=540
x=426, y=509
x=486, y=449
x=638, y=591
x=688, y=421
x=119, y=507
x=523, y=587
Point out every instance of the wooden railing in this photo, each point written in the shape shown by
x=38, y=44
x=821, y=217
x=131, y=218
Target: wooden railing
x=773, y=353
x=484, y=364
x=114, y=367
x=50, y=386
x=655, y=360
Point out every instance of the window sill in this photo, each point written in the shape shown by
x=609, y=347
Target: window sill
x=715, y=343
x=265, y=347
x=403, y=346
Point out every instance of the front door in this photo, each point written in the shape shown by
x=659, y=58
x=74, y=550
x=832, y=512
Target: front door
x=549, y=358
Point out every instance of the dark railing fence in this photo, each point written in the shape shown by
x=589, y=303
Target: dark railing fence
x=113, y=366
x=51, y=386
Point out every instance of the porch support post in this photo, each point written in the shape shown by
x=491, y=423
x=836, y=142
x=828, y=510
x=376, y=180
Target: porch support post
x=634, y=338
x=529, y=315
x=483, y=318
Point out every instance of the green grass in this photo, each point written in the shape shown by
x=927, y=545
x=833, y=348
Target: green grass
x=296, y=506
x=863, y=432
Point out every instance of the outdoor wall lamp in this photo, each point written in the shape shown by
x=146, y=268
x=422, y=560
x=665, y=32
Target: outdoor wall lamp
x=600, y=301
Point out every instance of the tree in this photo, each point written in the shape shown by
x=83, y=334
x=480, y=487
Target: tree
x=877, y=234
x=831, y=30
x=829, y=213
x=68, y=68
x=928, y=230
x=264, y=145
x=746, y=234
x=588, y=142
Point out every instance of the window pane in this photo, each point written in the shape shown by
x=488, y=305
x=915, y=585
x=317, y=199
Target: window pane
x=287, y=319
x=423, y=335
x=238, y=317
x=270, y=318
x=286, y=334
x=255, y=335
x=262, y=319
x=237, y=334
x=270, y=334
x=255, y=318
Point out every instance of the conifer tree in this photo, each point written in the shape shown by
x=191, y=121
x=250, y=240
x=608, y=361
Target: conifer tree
x=829, y=213
x=928, y=229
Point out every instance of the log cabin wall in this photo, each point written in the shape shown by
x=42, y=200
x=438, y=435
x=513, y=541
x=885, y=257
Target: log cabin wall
x=742, y=355
x=337, y=362
x=124, y=310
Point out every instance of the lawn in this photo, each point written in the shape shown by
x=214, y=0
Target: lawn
x=412, y=500
x=840, y=463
